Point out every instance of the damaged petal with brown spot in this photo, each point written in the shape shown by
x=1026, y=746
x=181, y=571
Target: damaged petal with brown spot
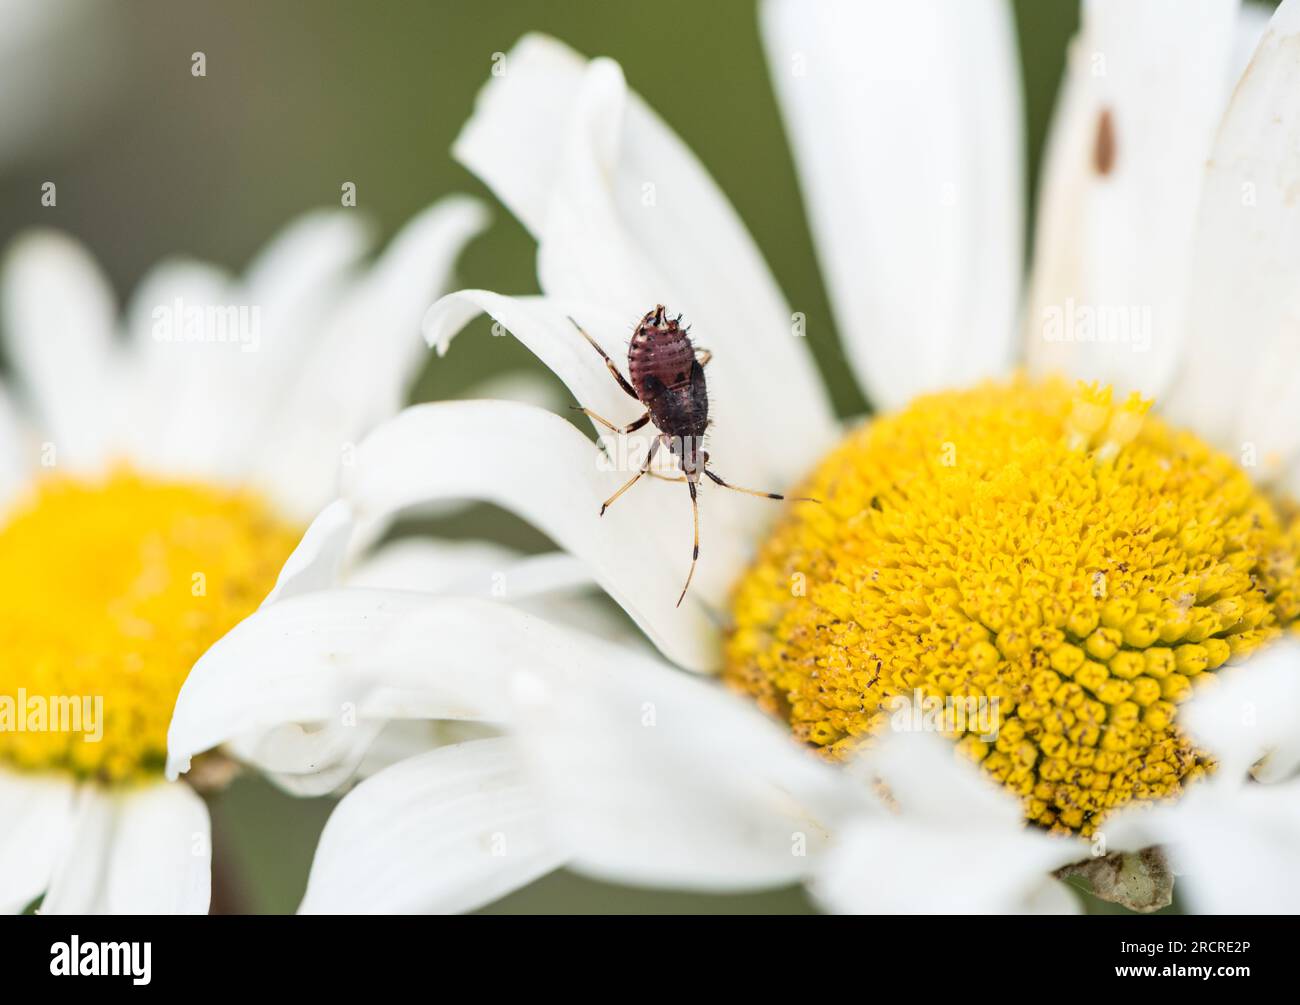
x=1103, y=150
x=1080, y=563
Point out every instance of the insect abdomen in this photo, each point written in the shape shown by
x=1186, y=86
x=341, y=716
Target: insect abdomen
x=660, y=349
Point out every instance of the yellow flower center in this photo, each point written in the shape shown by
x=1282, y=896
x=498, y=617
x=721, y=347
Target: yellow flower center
x=109, y=591
x=1075, y=567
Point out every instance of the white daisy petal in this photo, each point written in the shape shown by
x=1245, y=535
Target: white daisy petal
x=1237, y=384
x=594, y=615
x=471, y=569
x=951, y=824
x=543, y=326
x=181, y=389
x=648, y=775
x=468, y=569
x=430, y=566
x=906, y=124
x=653, y=777
x=298, y=273
x=404, y=738
x=535, y=576
x=1230, y=841
x=530, y=387
x=145, y=851
x=290, y=292
x=625, y=218
x=316, y=740
x=1145, y=87
x=1236, y=848
x=530, y=102
x=58, y=315
x=162, y=853
x=1250, y=715
x=891, y=866
x=445, y=831
x=319, y=757
x=315, y=564
x=1052, y=898
x=77, y=884
x=38, y=815
x=660, y=804
x=309, y=760
x=537, y=465
x=554, y=586
x=1252, y=22
x=308, y=659
x=931, y=784
x=15, y=450
x=359, y=369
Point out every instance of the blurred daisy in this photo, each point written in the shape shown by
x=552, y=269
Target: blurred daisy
x=1056, y=555
x=153, y=486
x=42, y=106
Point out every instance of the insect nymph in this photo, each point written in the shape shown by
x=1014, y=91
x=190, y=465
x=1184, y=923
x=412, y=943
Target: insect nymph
x=667, y=377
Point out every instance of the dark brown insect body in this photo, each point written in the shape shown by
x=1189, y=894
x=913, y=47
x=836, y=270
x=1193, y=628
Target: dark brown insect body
x=667, y=374
x=669, y=380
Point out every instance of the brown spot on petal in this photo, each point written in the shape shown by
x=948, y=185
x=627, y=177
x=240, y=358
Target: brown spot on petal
x=1103, y=150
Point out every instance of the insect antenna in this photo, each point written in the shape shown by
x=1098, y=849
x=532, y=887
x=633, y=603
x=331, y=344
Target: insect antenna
x=695, y=549
x=754, y=492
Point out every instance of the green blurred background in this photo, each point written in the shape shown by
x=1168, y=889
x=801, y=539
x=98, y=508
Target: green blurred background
x=300, y=97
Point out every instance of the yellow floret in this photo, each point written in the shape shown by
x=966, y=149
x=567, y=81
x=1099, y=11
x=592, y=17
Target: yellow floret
x=109, y=591
x=1078, y=565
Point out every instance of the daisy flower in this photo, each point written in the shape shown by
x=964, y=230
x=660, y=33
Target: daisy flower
x=37, y=108
x=153, y=485
x=977, y=654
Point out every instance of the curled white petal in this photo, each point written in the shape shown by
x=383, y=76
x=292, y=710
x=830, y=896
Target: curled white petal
x=306, y=660
x=626, y=218
x=317, y=562
x=539, y=466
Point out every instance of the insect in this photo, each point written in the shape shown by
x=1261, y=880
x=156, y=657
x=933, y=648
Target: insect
x=667, y=377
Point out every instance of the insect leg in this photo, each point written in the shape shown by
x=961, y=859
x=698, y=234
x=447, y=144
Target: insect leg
x=609, y=363
x=667, y=478
x=695, y=547
x=631, y=427
x=654, y=449
x=703, y=355
x=755, y=492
